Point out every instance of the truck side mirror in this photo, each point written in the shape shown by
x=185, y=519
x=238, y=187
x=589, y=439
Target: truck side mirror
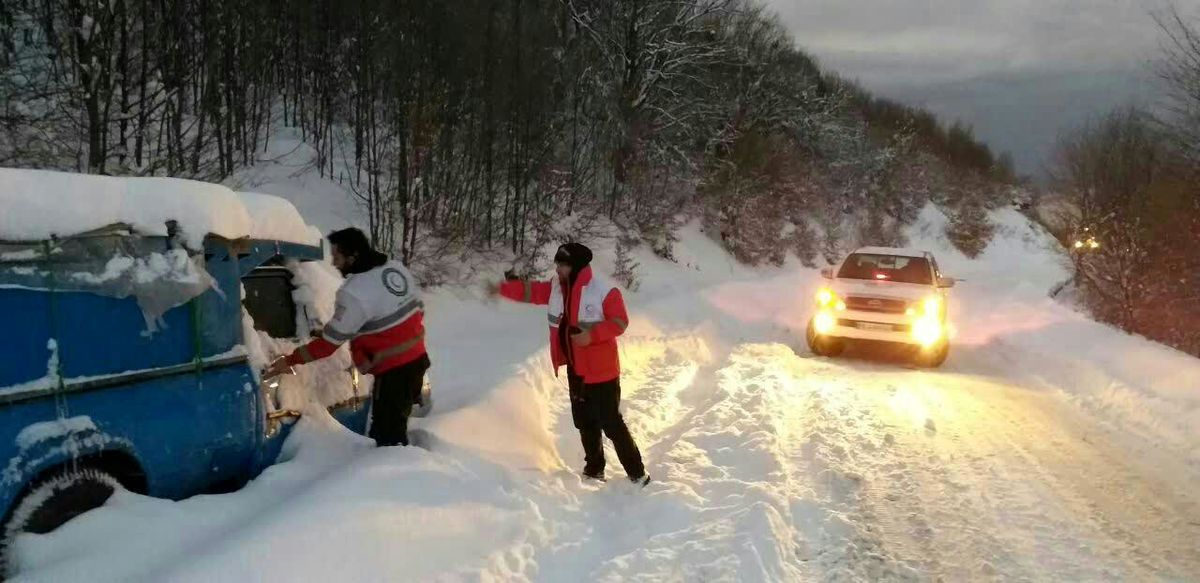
x=946, y=282
x=827, y=273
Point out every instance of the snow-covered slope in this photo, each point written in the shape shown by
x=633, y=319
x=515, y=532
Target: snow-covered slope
x=286, y=169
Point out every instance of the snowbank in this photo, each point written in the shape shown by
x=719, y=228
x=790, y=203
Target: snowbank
x=338, y=509
x=39, y=204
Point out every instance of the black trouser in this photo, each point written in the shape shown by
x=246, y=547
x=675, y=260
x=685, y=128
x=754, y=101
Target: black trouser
x=595, y=409
x=393, y=396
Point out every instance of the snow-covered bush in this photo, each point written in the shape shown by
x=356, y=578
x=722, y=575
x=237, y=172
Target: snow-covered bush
x=625, y=267
x=969, y=228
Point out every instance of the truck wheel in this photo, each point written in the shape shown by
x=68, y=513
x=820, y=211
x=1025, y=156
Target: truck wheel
x=54, y=500
x=823, y=345
x=934, y=357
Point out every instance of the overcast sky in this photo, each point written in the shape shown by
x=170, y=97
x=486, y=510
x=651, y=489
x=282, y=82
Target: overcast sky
x=1019, y=71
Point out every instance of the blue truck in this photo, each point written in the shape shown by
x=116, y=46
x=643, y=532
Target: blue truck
x=123, y=364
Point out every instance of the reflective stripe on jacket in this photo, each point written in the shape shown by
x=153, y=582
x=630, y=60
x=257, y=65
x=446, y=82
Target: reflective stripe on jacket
x=596, y=307
x=381, y=314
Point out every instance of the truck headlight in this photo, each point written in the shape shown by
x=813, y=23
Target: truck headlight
x=824, y=322
x=828, y=300
x=927, y=331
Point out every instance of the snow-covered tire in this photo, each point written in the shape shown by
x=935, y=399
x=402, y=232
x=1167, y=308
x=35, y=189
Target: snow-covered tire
x=933, y=358
x=63, y=495
x=823, y=345
x=53, y=501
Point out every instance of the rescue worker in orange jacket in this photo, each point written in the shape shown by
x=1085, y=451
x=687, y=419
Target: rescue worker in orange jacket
x=586, y=315
x=380, y=313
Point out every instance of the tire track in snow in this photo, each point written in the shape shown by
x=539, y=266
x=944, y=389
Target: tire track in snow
x=719, y=511
x=1122, y=487
x=851, y=542
x=1137, y=520
x=772, y=467
x=1000, y=486
x=724, y=459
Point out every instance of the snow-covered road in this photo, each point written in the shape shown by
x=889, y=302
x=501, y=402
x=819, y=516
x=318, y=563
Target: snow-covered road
x=1048, y=448
x=785, y=467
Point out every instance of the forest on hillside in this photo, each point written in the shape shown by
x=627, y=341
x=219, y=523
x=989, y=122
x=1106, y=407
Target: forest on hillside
x=481, y=124
x=1131, y=181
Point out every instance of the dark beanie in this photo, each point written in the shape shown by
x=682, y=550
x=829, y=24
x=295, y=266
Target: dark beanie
x=574, y=254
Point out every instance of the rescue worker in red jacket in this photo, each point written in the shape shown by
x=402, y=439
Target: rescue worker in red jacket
x=586, y=314
x=380, y=313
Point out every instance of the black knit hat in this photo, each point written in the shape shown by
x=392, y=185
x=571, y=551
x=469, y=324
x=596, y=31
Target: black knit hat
x=576, y=255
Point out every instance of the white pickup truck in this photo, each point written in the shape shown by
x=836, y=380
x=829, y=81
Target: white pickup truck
x=883, y=294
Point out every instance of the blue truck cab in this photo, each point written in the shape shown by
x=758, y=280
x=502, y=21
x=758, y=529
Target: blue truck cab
x=125, y=364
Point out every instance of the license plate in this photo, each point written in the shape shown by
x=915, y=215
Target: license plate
x=875, y=327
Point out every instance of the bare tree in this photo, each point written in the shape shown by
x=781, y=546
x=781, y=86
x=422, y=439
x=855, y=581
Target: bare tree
x=1180, y=69
x=1133, y=240
x=479, y=124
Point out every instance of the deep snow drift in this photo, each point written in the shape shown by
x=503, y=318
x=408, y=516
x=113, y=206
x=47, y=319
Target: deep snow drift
x=39, y=204
x=1048, y=447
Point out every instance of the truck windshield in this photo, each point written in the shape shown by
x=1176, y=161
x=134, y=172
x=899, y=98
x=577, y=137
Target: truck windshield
x=887, y=268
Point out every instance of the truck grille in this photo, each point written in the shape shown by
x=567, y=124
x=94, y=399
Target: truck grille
x=880, y=305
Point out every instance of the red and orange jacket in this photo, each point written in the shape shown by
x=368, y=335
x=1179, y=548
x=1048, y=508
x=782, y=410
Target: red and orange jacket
x=592, y=305
x=381, y=314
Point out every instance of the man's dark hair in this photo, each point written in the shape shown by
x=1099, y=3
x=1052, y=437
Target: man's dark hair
x=354, y=245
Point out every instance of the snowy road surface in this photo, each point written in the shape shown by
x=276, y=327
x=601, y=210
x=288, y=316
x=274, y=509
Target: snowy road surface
x=1048, y=448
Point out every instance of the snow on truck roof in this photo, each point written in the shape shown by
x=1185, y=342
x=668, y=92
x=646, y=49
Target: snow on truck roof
x=897, y=251
x=39, y=204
